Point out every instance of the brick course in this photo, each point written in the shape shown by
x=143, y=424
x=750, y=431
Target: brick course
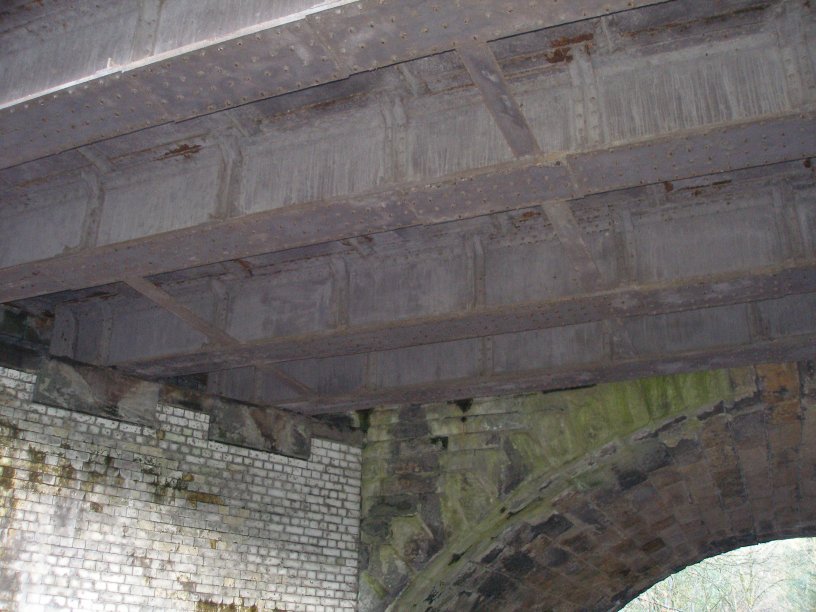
x=97, y=514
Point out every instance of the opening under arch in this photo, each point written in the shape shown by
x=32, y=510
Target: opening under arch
x=778, y=575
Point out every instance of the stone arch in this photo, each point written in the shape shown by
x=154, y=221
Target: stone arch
x=701, y=478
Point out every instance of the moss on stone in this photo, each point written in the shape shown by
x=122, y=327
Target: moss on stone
x=529, y=448
x=465, y=497
x=409, y=536
x=591, y=479
x=35, y=457
x=575, y=440
x=7, y=477
x=373, y=584
x=66, y=473
x=668, y=395
x=8, y=430
x=560, y=441
x=363, y=418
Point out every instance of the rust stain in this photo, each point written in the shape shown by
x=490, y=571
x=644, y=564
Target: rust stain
x=778, y=382
x=40, y=180
x=808, y=163
x=183, y=150
x=329, y=104
x=668, y=186
x=686, y=25
x=566, y=41
x=14, y=11
x=718, y=185
x=198, y=497
x=561, y=54
x=784, y=412
x=246, y=266
x=524, y=217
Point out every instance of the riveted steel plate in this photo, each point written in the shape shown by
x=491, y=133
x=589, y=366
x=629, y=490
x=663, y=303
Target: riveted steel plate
x=374, y=33
x=756, y=143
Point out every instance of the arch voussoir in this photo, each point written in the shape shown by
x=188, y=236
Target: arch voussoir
x=728, y=464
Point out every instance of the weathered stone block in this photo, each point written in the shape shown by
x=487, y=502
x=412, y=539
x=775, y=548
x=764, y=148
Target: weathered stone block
x=97, y=391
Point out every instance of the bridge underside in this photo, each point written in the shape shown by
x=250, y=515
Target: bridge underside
x=517, y=201
x=397, y=206
x=358, y=203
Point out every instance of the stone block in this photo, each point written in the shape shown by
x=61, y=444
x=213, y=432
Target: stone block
x=96, y=391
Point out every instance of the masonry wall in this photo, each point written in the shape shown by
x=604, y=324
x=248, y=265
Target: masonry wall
x=97, y=514
x=580, y=499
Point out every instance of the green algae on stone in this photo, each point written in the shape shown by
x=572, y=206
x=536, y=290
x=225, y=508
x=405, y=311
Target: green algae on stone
x=667, y=395
x=37, y=460
x=411, y=538
x=561, y=428
x=512, y=457
x=465, y=498
x=372, y=594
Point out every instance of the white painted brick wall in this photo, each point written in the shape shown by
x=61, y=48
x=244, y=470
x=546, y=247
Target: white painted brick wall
x=97, y=514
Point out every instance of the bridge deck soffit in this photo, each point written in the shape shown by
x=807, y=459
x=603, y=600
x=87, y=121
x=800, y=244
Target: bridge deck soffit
x=554, y=195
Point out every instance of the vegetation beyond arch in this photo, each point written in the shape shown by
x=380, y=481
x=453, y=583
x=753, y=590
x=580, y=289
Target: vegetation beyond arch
x=778, y=575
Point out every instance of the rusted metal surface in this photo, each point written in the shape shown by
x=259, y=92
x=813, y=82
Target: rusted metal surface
x=313, y=47
x=507, y=187
x=571, y=238
x=510, y=186
x=166, y=301
x=570, y=377
x=486, y=73
x=660, y=298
